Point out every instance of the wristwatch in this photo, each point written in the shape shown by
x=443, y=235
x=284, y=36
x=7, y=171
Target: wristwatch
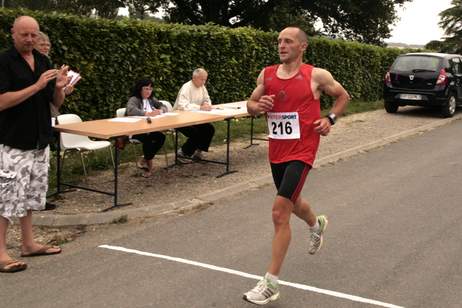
x=332, y=118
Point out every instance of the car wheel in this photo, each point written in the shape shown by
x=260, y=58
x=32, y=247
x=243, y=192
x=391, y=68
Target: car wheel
x=391, y=107
x=448, y=109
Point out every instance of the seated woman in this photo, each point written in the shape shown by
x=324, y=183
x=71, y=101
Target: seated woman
x=143, y=103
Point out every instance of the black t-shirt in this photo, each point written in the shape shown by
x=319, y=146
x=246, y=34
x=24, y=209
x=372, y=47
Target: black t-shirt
x=27, y=125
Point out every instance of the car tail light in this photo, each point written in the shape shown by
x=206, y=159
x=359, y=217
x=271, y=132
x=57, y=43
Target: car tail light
x=387, y=79
x=442, y=79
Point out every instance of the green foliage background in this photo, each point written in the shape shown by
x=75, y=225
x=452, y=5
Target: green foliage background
x=111, y=55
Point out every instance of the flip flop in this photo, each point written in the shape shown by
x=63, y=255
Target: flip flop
x=146, y=174
x=12, y=266
x=44, y=251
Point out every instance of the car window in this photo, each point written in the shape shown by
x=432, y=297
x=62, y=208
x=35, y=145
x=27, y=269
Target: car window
x=456, y=66
x=410, y=63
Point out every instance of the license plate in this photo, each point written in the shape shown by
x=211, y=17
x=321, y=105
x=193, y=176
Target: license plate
x=414, y=97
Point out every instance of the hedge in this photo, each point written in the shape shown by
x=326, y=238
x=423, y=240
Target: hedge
x=112, y=54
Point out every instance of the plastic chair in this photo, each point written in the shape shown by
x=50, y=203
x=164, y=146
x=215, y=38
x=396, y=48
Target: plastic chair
x=78, y=142
x=168, y=105
x=121, y=113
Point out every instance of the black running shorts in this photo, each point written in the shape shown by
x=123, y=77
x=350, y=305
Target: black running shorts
x=289, y=178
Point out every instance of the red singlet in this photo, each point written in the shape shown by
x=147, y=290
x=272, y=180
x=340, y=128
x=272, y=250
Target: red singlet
x=292, y=95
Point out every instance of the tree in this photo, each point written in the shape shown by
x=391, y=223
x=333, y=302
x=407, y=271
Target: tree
x=435, y=45
x=101, y=8
x=367, y=21
x=285, y=14
x=364, y=20
x=143, y=8
x=30, y=4
x=451, y=22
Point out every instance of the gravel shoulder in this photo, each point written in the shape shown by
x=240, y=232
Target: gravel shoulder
x=186, y=182
x=176, y=189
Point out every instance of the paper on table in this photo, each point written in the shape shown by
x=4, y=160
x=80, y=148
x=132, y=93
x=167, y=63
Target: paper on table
x=125, y=120
x=158, y=116
x=223, y=111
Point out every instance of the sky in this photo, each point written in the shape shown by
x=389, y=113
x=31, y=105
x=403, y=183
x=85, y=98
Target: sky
x=419, y=22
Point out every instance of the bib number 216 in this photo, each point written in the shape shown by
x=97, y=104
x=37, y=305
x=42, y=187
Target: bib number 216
x=281, y=128
x=283, y=125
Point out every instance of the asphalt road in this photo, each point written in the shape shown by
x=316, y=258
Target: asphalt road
x=394, y=238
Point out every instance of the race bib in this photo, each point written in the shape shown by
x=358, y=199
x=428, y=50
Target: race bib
x=283, y=125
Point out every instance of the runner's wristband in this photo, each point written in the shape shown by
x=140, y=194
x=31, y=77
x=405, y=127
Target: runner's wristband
x=332, y=118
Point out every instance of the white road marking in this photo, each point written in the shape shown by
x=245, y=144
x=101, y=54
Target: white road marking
x=251, y=276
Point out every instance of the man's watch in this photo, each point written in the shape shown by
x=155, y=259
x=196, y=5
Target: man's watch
x=332, y=118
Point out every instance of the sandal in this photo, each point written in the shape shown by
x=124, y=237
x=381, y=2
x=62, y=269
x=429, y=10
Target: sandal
x=45, y=250
x=146, y=174
x=141, y=163
x=12, y=266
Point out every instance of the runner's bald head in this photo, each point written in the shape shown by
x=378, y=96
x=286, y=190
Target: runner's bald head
x=300, y=34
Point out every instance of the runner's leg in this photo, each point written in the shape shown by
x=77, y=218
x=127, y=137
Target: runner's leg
x=282, y=209
x=302, y=210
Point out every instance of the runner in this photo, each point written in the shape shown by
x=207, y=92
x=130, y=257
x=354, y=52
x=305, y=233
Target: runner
x=289, y=94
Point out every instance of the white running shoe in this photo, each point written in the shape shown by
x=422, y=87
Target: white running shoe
x=263, y=293
x=197, y=155
x=316, y=236
x=183, y=158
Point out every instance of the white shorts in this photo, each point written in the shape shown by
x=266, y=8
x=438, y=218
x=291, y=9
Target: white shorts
x=23, y=180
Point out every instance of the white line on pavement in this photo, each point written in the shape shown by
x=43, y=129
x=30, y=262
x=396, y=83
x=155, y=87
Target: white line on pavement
x=251, y=276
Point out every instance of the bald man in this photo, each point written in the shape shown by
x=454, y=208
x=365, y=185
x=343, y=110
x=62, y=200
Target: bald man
x=27, y=84
x=289, y=95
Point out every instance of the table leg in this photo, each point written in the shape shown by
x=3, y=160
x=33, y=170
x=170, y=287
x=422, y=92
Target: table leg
x=228, y=141
x=116, y=203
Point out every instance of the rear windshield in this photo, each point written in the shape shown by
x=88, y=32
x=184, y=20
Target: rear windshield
x=412, y=63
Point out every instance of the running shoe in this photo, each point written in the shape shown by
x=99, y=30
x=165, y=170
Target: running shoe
x=197, y=155
x=316, y=236
x=183, y=158
x=263, y=293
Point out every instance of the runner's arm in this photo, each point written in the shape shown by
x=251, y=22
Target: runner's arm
x=258, y=102
x=326, y=83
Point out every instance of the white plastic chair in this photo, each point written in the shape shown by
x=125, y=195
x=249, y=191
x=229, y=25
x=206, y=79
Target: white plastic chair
x=78, y=142
x=121, y=113
x=168, y=105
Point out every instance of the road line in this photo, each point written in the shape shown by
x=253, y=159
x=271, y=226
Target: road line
x=251, y=276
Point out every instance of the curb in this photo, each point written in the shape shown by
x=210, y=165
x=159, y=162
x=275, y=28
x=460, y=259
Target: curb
x=205, y=200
